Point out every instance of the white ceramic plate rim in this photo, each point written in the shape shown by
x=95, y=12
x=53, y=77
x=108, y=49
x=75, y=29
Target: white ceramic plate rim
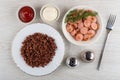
x=71, y=39
x=31, y=29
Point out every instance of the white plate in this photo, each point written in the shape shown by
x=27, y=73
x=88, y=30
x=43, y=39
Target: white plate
x=71, y=39
x=31, y=29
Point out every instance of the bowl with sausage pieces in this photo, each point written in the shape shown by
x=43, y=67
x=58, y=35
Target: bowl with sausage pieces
x=82, y=25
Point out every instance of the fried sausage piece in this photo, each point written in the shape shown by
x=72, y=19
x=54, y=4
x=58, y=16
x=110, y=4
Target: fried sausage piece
x=69, y=28
x=79, y=37
x=91, y=33
x=87, y=23
x=94, y=26
x=84, y=30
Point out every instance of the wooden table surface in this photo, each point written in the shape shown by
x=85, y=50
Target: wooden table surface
x=10, y=25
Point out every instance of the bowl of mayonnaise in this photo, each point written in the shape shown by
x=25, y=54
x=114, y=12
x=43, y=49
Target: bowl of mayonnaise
x=49, y=13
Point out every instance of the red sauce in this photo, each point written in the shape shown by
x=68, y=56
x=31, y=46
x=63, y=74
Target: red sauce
x=26, y=14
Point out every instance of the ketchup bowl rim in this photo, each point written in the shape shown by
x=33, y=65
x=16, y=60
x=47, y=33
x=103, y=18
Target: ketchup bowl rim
x=20, y=7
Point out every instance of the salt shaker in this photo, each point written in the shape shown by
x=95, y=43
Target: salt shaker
x=87, y=56
x=72, y=62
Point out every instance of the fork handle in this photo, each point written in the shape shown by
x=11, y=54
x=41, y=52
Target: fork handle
x=101, y=54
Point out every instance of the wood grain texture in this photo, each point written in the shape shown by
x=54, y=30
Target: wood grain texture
x=10, y=25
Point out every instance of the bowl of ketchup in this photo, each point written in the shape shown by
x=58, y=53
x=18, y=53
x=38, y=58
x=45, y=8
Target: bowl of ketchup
x=26, y=14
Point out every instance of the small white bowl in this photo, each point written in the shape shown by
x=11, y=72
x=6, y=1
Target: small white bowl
x=22, y=7
x=71, y=39
x=49, y=5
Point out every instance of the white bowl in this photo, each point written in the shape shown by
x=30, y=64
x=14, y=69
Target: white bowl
x=22, y=7
x=47, y=5
x=71, y=39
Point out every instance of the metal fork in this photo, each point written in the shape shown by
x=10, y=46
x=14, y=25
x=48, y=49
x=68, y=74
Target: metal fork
x=109, y=27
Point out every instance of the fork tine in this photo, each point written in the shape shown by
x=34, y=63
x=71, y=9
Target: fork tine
x=111, y=21
x=111, y=18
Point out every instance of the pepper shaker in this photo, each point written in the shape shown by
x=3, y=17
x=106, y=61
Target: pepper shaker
x=72, y=62
x=87, y=56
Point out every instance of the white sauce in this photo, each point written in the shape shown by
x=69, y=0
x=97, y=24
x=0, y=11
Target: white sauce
x=50, y=13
